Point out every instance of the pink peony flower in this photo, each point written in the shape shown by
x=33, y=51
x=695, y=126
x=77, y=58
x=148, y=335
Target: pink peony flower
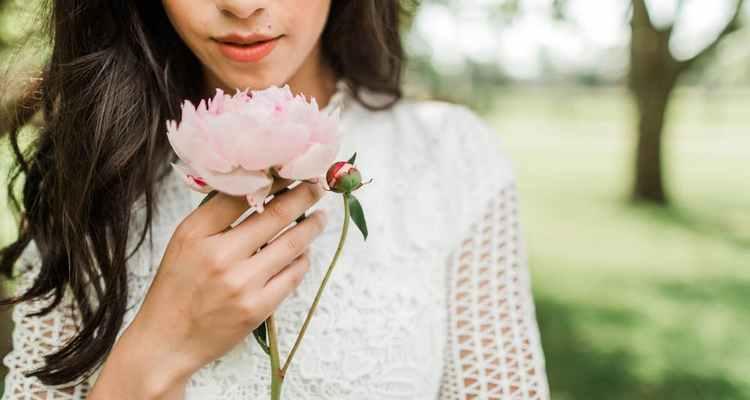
x=238, y=144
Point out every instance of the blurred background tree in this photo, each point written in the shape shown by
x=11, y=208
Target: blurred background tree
x=598, y=103
x=656, y=62
x=654, y=72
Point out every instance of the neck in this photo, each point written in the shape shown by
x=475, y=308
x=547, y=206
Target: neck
x=314, y=79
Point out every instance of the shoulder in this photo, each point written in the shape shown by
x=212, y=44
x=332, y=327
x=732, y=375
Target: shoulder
x=451, y=138
x=469, y=148
x=447, y=150
x=424, y=116
x=430, y=111
x=440, y=119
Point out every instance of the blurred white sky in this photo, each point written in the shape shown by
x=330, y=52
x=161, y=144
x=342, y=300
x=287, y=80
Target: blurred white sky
x=593, y=38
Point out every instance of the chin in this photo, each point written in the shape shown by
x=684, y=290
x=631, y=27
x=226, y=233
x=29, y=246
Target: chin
x=253, y=81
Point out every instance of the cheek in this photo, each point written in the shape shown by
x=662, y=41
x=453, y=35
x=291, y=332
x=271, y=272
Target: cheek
x=308, y=20
x=189, y=18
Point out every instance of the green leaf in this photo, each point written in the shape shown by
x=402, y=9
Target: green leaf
x=357, y=214
x=260, y=337
x=351, y=160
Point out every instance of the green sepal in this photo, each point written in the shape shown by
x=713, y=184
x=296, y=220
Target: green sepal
x=260, y=334
x=351, y=160
x=357, y=214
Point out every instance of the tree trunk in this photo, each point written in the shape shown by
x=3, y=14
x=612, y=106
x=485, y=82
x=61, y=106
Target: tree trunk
x=649, y=177
x=653, y=75
x=652, y=78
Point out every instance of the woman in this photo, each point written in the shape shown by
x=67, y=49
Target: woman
x=435, y=304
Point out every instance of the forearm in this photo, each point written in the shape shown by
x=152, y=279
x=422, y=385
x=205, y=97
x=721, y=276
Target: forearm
x=115, y=386
x=135, y=371
x=116, y=383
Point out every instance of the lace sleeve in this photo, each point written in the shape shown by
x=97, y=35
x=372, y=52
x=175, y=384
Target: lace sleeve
x=33, y=337
x=494, y=350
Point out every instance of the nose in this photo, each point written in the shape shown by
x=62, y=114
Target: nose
x=240, y=8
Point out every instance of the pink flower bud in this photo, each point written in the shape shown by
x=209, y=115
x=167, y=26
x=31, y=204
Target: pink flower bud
x=343, y=177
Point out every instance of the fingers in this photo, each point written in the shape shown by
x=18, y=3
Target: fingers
x=283, y=283
x=282, y=250
x=219, y=212
x=257, y=229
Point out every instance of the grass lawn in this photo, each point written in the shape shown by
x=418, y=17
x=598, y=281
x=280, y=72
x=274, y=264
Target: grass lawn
x=635, y=302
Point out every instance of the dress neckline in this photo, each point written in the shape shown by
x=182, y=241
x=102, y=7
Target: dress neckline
x=339, y=98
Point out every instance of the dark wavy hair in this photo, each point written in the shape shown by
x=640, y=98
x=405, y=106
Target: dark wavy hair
x=117, y=71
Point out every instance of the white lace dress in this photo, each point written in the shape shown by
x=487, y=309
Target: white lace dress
x=436, y=304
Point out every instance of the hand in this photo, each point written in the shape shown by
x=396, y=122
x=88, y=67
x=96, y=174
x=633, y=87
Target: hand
x=212, y=288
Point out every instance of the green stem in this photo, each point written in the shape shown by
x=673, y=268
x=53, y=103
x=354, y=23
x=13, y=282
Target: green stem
x=322, y=285
x=277, y=375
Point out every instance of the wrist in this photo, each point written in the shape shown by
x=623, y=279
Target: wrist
x=137, y=369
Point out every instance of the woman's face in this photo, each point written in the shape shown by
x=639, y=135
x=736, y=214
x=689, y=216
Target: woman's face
x=251, y=43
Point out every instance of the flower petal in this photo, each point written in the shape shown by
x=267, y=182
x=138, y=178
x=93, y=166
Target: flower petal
x=257, y=198
x=191, y=178
x=190, y=141
x=325, y=128
x=238, y=182
x=255, y=143
x=314, y=162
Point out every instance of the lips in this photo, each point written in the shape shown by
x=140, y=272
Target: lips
x=246, y=48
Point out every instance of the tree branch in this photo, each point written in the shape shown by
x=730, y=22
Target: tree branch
x=641, y=17
x=732, y=26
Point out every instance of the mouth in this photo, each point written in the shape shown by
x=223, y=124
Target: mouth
x=251, y=48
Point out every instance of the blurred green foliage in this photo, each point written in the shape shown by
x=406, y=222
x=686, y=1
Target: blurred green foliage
x=635, y=302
